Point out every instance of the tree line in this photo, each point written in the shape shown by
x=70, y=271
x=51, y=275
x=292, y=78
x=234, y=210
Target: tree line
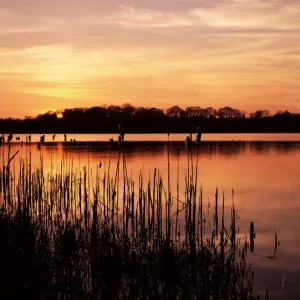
x=105, y=119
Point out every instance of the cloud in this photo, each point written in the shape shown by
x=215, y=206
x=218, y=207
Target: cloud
x=22, y=30
x=217, y=51
x=130, y=17
x=228, y=14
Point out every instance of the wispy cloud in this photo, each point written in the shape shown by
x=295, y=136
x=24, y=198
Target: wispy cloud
x=22, y=30
x=235, y=52
x=130, y=17
x=228, y=14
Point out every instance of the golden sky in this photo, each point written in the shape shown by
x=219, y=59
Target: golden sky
x=74, y=53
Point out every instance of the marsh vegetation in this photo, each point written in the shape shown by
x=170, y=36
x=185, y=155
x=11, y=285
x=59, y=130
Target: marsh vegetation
x=69, y=233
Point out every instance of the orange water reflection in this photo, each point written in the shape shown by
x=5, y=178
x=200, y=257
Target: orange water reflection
x=264, y=175
x=163, y=137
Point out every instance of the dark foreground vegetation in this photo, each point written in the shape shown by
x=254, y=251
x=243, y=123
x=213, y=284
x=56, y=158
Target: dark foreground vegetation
x=74, y=234
x=103, y=119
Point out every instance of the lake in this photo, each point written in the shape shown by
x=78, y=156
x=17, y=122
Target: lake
x=262, y=169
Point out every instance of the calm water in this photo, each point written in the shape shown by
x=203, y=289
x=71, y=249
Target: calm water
x=263, y=170
x=163, y=137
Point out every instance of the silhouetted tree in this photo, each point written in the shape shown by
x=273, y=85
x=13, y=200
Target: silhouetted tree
x=100, y=119
x=236, y=114
x=226, y=112
x=73, y=113
x=156, y=112
x=211, y=112
x=175, y=111
x=128, y=109
x=114, y=111
x=260, y=114
x=203, y=113
x=192, y=111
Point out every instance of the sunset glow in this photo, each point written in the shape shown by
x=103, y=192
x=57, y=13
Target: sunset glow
x=242, y=53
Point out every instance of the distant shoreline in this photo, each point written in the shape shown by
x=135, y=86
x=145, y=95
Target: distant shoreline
x=132, y=143
x=100, y=120
x=148, y=133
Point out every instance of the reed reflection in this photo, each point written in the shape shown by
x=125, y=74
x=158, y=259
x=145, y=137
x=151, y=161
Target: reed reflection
x=160, y=148
x=264, y=176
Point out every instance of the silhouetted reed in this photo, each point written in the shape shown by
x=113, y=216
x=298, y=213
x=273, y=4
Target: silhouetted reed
x=79, y=234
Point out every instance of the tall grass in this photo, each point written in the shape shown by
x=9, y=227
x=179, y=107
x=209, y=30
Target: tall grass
x=80, y=234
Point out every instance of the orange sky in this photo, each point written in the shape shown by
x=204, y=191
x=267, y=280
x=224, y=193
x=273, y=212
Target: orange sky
x=56, y=54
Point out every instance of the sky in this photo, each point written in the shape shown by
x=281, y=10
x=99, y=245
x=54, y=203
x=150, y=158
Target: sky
x=80, y=53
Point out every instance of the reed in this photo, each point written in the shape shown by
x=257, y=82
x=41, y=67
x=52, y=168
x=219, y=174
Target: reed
x=73, y=234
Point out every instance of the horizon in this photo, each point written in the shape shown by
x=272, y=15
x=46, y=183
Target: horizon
x=59, y=112
x=139, y=139
x=238, y=53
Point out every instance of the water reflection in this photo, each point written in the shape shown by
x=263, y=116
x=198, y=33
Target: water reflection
x=264, y=175
x=175, y=137
x=159, y=148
